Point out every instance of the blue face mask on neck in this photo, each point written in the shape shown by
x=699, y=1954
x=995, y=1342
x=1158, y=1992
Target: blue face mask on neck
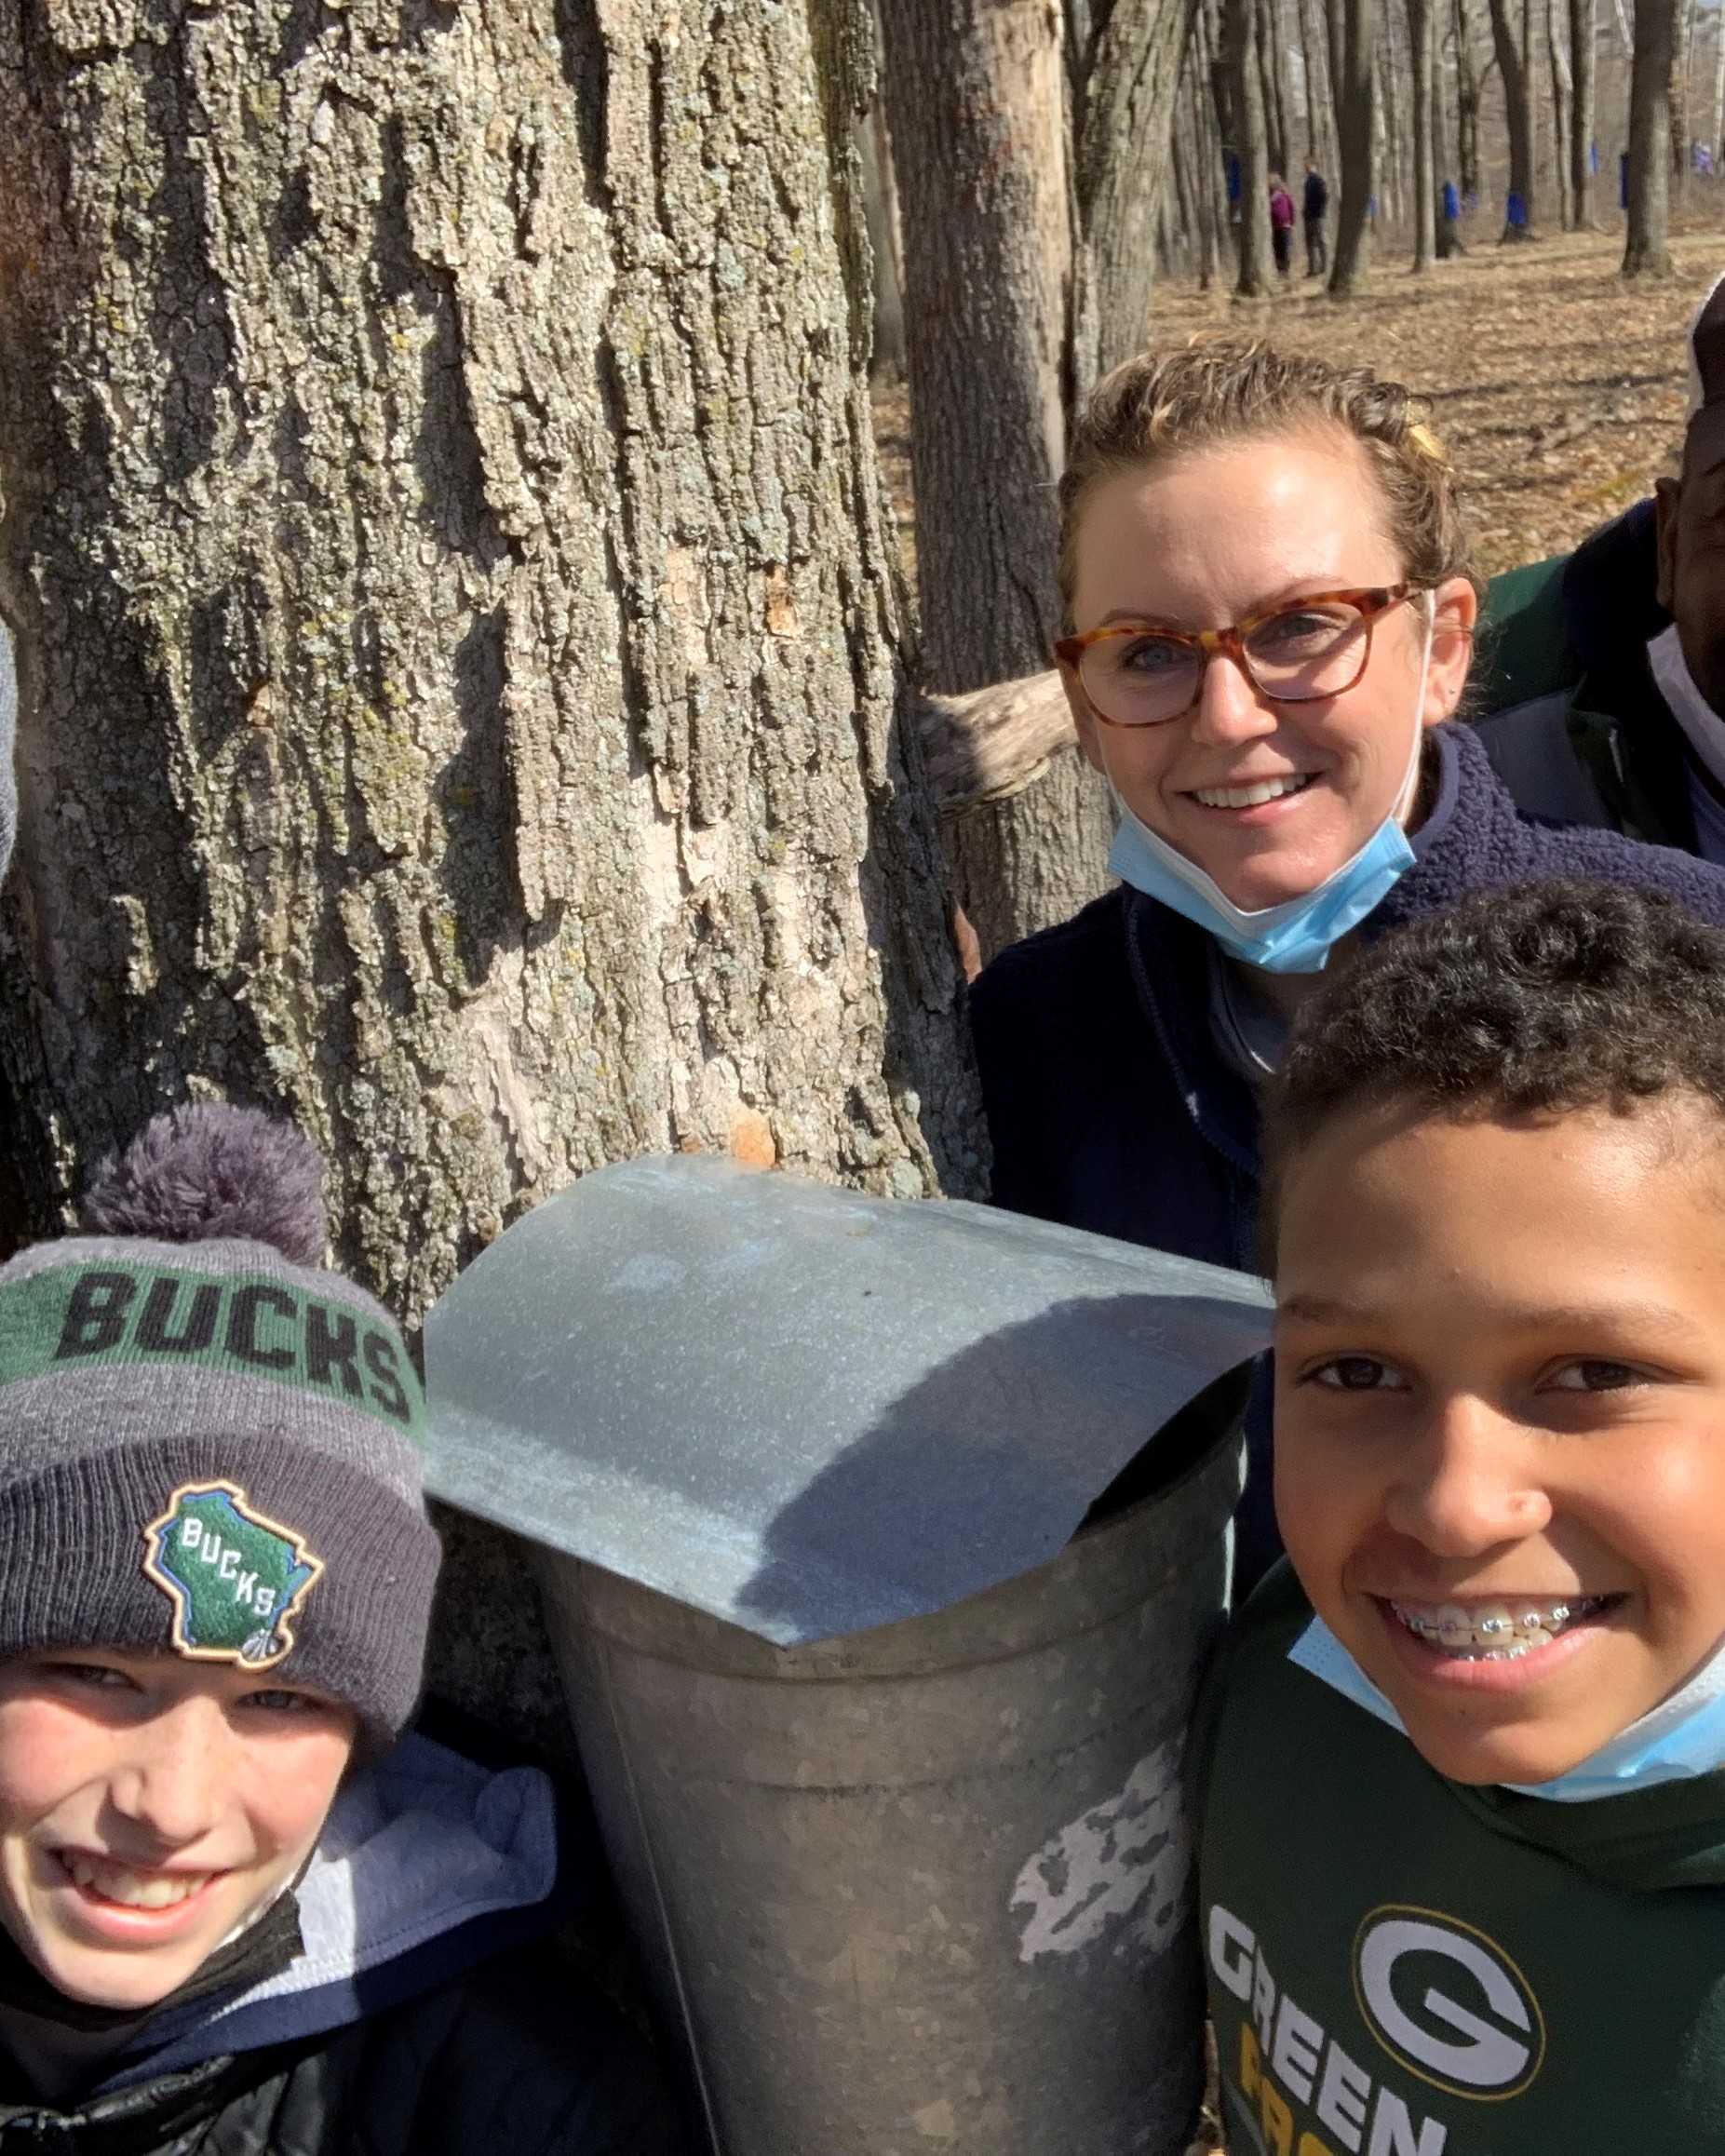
x=1683, y=1736
x=1297, y=936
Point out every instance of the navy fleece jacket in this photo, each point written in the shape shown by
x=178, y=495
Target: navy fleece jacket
x=1108, y=1104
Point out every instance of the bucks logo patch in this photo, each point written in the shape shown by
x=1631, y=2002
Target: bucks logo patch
x=236, y=1579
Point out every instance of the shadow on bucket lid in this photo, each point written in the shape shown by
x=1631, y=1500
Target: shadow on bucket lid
x=805, y=1411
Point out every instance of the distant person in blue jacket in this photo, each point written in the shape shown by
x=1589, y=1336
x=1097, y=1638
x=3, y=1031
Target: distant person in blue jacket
x=1271, y=613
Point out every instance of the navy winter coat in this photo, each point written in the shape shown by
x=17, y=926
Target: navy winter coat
x=1108, y=1104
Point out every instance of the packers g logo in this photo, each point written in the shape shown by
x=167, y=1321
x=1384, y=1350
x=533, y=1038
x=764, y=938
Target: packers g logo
x=1447, y=2002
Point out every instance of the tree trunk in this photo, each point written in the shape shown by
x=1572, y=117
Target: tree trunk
x=1210, y=108
x=1562, y=95
x=1647, y=250
x=1717, y=136
x=1273, y=82
x=1246, y=101
x=1390, y=144
x=974, y=103
x=1582, y=120
x=1682, y=40
x=1467, y=97
x=874, y=153
x=1513, y=57
x=1029, y=265
x=1038, y=865
x=1355, y=125
x=1422, y=39
x=456, y=614
x=1320, y=104
x=1126, y=72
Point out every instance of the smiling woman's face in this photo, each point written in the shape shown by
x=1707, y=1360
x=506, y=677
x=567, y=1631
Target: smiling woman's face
x=1211, y=536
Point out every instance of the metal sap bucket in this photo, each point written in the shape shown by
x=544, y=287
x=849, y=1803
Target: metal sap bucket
x=927, y=1887
x=883, y=1544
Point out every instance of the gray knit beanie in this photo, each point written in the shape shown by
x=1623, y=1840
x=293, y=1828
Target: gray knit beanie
x=207, y=1440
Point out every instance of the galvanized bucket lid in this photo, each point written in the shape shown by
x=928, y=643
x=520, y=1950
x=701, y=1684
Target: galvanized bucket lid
x=802, y=1409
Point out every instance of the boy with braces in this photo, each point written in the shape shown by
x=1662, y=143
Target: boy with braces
x=1462, y=1855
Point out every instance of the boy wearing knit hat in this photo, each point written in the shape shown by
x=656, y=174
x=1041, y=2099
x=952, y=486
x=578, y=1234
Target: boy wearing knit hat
x=236, y=1911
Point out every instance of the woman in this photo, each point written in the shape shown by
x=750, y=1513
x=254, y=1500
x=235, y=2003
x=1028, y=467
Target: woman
x=1267, y=579
x=1281, y=225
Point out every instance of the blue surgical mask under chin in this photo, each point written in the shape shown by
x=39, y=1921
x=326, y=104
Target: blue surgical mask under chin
x=1297, y=936
x=1681, y=1737
x=1293, y=937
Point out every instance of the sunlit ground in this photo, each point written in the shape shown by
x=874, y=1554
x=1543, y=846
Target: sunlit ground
x=1559, y=387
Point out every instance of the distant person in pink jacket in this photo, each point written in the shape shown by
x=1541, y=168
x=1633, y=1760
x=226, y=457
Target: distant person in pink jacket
x=1282, y=225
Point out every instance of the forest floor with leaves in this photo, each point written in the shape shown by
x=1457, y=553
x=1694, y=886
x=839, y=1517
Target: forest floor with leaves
x=1558, y=386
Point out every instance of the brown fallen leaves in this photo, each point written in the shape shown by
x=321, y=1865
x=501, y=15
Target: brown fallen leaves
x=1559, y=387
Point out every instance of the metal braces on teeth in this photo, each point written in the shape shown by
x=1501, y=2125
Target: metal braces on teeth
x=1497, y=1633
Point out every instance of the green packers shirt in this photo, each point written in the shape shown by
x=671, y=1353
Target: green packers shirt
x=1399, y=1965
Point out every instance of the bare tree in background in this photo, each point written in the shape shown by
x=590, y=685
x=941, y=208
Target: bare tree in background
x=1467, y=95
x=1512, y=38
x=975, y=98
x=1030, y=144
x=455, y=608
x=1647, y=250
x=1272, y=72
x=1245, y=111
x=1423, y=44
x=1355, y=77
x=1320, y=102
x=1584, y=63
x=1562, y=108
x=1682, y=43
x=1123, y=65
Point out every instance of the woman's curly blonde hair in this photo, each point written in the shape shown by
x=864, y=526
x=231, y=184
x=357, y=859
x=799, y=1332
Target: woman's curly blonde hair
x=1225, y=389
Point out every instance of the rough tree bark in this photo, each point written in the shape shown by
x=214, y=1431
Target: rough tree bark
x=1320, y=106
x=975, y=101
x=1647, y=250
x=1562, y=108
x=1207, y=121
x=455, y=611
x=1467, y=95
x=1030, y=145
x=1355, y=81
x=886, y=359
x=1716, y=135
x=1387, y=165
x=1514, y=46
x=1125, y=61
x=1273, y=80
x=1245, y=102
x=1585, y=73
x=1682, y=41
x=1422, y=40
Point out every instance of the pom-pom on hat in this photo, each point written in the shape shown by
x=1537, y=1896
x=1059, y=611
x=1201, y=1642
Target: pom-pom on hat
x=207, y=1440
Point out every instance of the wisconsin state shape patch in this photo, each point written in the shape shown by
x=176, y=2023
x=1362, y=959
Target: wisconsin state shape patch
x=236, y=1579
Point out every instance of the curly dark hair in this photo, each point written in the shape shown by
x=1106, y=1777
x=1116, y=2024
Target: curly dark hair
x=1538, y=999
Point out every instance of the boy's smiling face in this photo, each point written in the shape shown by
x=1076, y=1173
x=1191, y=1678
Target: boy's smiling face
x=149, y=1806
x=1500, y=1422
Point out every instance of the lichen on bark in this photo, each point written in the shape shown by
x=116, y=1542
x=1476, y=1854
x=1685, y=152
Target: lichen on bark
x=457, y=620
